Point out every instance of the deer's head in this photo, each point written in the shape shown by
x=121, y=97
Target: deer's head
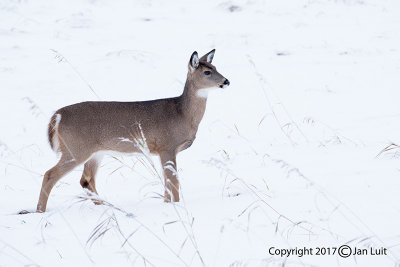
x=204, y=74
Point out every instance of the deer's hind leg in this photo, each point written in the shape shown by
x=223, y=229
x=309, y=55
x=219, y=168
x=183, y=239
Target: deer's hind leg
x=51, y=177
x=88, y=180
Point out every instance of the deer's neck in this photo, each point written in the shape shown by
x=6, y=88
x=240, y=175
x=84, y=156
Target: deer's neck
x=193, y=106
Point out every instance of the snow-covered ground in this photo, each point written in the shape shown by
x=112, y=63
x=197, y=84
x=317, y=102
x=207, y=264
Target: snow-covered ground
x=288, y=156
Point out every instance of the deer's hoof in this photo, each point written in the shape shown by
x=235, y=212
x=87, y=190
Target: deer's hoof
x=98, y=202
x=22, y=212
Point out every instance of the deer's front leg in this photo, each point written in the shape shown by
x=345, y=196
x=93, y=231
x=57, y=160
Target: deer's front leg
x=168, y=162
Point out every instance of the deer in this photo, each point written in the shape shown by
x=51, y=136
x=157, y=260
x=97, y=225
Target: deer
x=81, y=133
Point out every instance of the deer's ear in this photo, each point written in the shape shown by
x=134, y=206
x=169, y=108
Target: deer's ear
x=208, y=57
x=194, y=61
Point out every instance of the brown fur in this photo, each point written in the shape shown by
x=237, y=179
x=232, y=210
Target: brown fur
x=169, y=126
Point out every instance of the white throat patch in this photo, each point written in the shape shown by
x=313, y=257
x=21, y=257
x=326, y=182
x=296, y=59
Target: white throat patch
x=203, y=93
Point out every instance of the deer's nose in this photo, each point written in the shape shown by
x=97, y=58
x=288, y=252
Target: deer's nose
x=227, y=82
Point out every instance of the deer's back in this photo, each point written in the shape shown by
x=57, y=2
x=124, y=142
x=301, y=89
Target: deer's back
x=118, y=125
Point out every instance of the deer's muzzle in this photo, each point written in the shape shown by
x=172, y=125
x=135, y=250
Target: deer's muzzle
x=225, y=84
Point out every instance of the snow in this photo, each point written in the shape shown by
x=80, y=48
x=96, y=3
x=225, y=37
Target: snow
x=288, y=156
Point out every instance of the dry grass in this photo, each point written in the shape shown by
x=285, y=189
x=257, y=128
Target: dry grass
x=111, y=222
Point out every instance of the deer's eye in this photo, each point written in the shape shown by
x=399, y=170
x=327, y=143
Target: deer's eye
x=207, y=72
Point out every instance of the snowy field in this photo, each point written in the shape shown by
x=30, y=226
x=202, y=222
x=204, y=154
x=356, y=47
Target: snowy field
x=291, y=155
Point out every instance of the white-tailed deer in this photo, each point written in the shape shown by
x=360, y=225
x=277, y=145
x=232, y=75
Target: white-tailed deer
x=81, y=132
